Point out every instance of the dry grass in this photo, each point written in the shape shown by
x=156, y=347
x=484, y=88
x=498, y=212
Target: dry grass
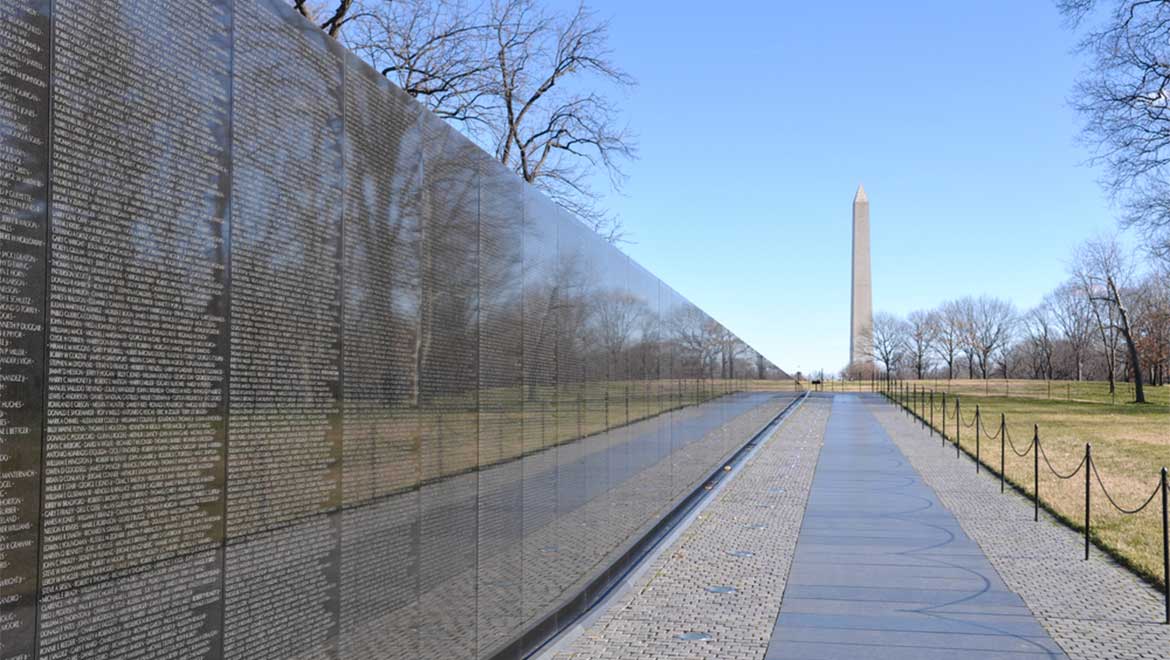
x=1130, y=445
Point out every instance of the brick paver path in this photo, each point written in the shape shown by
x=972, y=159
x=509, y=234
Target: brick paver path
x=743, y=540
x=1093, y=609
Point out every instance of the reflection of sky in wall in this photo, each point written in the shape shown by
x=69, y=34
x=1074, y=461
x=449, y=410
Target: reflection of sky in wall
x=758, y=121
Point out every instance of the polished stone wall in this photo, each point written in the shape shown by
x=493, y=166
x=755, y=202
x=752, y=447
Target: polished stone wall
x=291, y=369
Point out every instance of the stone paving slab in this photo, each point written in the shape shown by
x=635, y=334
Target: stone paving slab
x=744, y=540
x=932, y=592
x=1092, y=609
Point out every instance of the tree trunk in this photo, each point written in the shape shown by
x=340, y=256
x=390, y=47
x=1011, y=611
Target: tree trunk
x=1134, y=362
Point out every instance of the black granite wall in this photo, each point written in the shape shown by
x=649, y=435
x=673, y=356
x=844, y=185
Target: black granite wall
x=291, y=369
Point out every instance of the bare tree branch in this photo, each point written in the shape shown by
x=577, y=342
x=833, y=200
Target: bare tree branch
x=530, y=85
x=1124, y=97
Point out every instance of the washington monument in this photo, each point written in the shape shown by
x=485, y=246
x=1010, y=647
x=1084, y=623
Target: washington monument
x=861, y=319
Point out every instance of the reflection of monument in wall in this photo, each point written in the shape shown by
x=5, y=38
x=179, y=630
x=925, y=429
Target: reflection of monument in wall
x=861, y=318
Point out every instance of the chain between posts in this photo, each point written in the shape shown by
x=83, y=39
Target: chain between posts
x=1097, y=476
x=1012, y=444
x=1037, y=450
x=1058, y=475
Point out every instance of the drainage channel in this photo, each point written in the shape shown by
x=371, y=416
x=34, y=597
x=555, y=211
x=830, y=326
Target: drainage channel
x=557, y=631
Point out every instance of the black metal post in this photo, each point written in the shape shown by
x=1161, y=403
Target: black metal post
x=1002, y=451
x=958, y=423
x=932, y=412
x=1036, y=472
x=1088, y=502
x=1165, y=550
x=977, y=438
x=943, y=429
x=607, y=408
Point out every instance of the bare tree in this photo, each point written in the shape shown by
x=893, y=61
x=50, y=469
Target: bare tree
x=949, y=337
x=922, y=331
x=966, y=317
x=1072, y=313
x=619, y=314
x=1151, y=319
x=990, y=324
x=556, y=131
x=329, y=20
x=1124, y=97
x=1040, y=326
x=695, y=334
x=532, y=86
x=889, y=340
x=1103, y=271
x=435, y=50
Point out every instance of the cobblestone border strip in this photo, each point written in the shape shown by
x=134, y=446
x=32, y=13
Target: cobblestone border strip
x=744, y=540
x=1092, y=609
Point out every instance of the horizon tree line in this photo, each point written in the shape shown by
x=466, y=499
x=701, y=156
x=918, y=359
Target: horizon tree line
x=1107, y=321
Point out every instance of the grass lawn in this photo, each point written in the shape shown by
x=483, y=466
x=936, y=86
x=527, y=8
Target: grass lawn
x=1130, y=444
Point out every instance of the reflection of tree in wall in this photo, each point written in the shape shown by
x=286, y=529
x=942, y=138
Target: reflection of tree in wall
x=619, y=315
x=548, y=296
x=445, y=341
x=697, y=341
x=531, y=85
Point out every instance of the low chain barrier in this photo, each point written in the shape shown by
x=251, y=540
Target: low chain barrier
x=919, y=403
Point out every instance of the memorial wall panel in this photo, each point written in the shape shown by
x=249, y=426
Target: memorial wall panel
x=684, y=337
x=308, y=375
x=582, y=459
x=617, y=317
x=134, y=443
x=24, y=161
x=380, y=449
x=381, y=453
x=549, y=407
x=647, y=452
x=448, y=376
x=383, y=230
x=501, y=394
x=284, y=441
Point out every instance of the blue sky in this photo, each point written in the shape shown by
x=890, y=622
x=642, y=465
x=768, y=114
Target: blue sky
x=757, y=120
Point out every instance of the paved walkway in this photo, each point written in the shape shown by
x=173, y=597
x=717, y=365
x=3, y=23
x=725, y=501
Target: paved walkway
x=1093, y=609
x=883, y=569
x=681, y=606
x=877, y=544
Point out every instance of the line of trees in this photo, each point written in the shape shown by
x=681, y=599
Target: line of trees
x=1107, y=321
